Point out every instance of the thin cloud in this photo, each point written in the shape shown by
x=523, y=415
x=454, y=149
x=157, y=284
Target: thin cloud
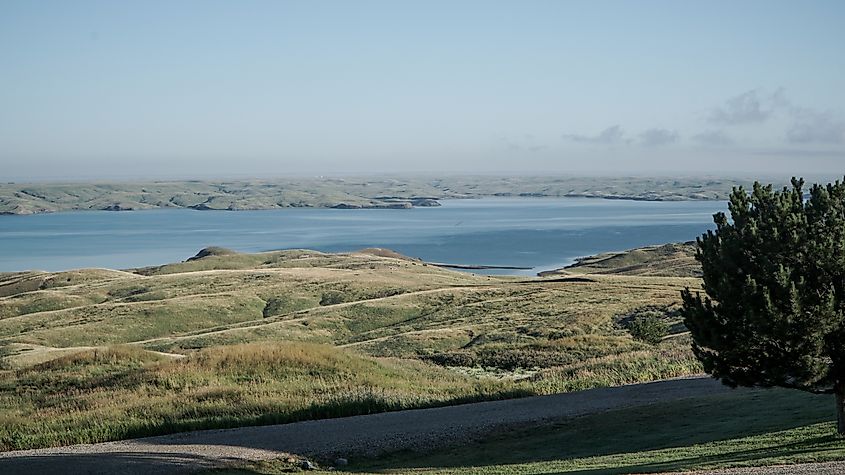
x=812, y=126
x=528, y=143
x=609, y=136
x=806, y=125
x=746, y=108
x=713, y=138
x=658, y=137
x=799, y=153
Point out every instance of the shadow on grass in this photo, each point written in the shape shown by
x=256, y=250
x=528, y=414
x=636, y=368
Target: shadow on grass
x=798, y=452
x=192, y=420
x=125, y=463
x=805, y=451
x=622, y=437
x=735, y=458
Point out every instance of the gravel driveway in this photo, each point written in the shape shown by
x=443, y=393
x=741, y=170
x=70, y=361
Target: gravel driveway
x=355, y=436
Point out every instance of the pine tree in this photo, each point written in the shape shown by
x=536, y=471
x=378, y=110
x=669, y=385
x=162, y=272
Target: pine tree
x=774, y=278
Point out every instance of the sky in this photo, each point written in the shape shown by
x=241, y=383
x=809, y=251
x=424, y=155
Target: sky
x=202, y=89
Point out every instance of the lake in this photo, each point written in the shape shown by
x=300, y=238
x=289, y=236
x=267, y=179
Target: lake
x=539, y=233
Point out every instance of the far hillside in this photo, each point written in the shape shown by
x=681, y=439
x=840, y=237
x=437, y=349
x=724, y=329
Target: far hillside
x=666, y=260
x=344, y=193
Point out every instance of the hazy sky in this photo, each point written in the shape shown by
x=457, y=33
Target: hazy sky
x=177, y=89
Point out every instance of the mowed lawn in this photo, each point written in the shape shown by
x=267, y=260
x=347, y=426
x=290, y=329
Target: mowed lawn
x=743, y=428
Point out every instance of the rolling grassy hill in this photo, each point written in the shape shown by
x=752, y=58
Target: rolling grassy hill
x=230, y=339
x=673, y=259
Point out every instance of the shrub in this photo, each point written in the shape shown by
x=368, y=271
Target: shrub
x=5, y=352
x=648, y=328
x=276, y=306
x=332, y=298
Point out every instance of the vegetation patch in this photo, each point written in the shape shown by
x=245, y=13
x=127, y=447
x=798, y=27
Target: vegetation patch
x=212, y=252
x=123, y=392
x=650, y=329
x=283, y=304
x=670, y=360
x=671, y=260
x=332, y=298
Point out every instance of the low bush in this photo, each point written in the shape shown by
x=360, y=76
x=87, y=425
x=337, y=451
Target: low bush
x=332, y=298
x=648, y=328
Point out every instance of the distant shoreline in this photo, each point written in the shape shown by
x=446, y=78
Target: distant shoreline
x=395, y=206
x=476, y=267
x=376, y=193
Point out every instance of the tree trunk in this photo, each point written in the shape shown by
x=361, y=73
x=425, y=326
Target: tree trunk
x=839, y=390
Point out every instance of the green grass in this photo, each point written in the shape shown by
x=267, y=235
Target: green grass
x=671, y=359
x=725, y=430
x=123, y=392
x=674, y=259
x=763, y=427
x=412, y=327
x=389, y=307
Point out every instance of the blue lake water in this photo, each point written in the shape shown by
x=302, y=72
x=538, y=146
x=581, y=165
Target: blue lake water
x=540, y=233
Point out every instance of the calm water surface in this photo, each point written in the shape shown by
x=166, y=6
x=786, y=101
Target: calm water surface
x=540, y=233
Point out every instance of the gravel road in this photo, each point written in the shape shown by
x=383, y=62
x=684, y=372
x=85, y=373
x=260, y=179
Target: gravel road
x=350, y=436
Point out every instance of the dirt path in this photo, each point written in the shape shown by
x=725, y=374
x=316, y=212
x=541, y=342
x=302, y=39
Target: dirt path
x=30, y=355
x=350, y=436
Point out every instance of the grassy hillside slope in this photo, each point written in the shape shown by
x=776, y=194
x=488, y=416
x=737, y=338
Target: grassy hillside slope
x=666, y=260
x=92, y=354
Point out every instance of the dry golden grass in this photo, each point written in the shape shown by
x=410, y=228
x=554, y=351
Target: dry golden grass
x=674, y=259
x=119, y=392
x=242, y=339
